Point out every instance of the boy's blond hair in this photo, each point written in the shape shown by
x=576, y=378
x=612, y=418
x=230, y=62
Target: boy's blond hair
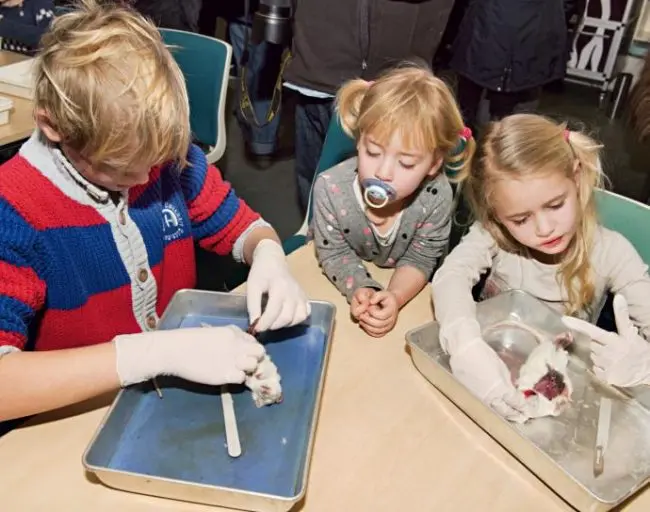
x=111, y=89
x=410, y=101
x=527, y=145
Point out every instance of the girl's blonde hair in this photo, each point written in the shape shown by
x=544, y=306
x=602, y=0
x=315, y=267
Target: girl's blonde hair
x=524, y=145
x=411, y=101
x=110, y=87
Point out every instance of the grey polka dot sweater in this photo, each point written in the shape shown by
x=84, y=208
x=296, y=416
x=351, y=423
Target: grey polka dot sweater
x=344, y=237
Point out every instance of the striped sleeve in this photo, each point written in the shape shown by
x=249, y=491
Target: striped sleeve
x=22, y=291
x=218, y=216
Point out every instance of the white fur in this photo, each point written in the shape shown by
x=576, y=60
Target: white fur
x=536, y=366
x=264, y=382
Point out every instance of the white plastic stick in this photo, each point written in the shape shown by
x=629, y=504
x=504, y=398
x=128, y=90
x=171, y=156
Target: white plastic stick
x=157, y=387
x=230, y=421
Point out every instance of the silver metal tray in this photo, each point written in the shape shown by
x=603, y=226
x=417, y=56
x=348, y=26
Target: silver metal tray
x=559, y=450
x=174, y=447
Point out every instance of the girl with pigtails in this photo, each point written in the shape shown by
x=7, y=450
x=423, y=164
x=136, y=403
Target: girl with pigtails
x=392, y=203
x=532, y=194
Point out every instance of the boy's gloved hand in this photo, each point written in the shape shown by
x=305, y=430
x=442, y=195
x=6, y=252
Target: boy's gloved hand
x=621, y=359
x=208, y=355
x=287, y=303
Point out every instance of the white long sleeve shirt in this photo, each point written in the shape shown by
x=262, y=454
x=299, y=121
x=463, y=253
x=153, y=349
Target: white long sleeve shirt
x=616, y=268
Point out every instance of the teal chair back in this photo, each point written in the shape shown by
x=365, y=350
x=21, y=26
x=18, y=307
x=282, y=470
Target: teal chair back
x=338, y=146
x=205, y=63
x=630, y=218
x=60, y=10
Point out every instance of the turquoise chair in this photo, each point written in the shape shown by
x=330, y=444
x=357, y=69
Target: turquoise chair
x=628, y=217
x=205, y=63
x=60, y=10
x=336, y=148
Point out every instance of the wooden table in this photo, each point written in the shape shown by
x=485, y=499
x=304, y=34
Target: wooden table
x=21, y=121
x=386, y=439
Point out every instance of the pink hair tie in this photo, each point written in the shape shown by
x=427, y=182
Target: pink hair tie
x=369, y=82
x=466, y=133
x=567, y=133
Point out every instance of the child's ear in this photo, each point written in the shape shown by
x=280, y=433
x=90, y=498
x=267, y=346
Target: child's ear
x=438, y=160
x=46, y=127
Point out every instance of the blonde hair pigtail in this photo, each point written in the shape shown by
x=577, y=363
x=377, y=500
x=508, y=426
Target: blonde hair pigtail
x=348, y=105
x=458, y=166
x=575, y=270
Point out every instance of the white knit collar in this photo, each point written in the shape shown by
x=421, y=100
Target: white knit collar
x=53, y=164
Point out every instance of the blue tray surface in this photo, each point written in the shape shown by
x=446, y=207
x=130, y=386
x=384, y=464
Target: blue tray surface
x=182, y=436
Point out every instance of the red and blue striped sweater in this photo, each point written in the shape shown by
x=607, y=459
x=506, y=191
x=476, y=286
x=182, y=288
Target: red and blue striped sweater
x=77, y=268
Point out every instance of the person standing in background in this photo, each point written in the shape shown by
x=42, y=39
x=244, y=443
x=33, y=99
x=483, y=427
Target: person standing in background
x=175, y=14
x=264, y=62
x=338, y=40
x=574, y=14
x=510, y=49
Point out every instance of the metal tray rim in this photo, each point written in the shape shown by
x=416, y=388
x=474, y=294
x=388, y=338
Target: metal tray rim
x=97, y=470
x=537, y=449
x=186, y=291
x=548, y=459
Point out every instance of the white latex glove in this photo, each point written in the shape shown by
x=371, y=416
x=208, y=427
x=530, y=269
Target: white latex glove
x=480, y=369
x=287, y=304
x=621, y=359
x=208, y=355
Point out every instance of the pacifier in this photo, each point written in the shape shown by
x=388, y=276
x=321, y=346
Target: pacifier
x=377, y=193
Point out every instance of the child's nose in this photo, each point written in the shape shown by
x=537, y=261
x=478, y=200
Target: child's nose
x=385, y=172
x=543, y=226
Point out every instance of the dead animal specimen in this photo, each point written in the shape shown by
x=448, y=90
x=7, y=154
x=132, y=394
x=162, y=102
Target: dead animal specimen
x=542, y=376
x=264, y=382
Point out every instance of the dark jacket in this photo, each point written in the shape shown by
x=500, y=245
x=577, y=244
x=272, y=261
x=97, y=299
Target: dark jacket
x=337, y=40
x=175, y=14
x=21, y=27
x=512, y=45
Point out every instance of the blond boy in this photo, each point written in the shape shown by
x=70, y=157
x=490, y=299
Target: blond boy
x=98, y=216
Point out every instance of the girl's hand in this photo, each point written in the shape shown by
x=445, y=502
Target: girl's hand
x=361, y=301
x=381, y=316
x=475, y=364
x=11, y=3
x=621, y=359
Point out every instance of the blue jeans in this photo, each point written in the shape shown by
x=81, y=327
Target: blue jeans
x=313, y=116
x=264, y=62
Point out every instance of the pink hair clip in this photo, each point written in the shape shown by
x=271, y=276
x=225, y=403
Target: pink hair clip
x=567, y=133
x=466, y=133
x=369, y=82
